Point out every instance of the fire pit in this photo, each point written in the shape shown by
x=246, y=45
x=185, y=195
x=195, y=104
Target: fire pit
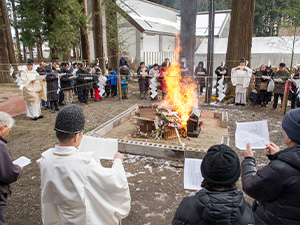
x=160, y=123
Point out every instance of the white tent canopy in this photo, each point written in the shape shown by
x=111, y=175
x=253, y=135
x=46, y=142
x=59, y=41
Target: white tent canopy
x=264, y=49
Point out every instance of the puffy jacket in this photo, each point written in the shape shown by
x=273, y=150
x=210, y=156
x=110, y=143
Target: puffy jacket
x=65, y=83
x=214, y=207
x=113, y=78
x=52, y=83
x=276, y=187
x=81, y=83
x=9, y=172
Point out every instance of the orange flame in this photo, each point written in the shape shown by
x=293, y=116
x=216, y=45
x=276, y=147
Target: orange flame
x=181, y=92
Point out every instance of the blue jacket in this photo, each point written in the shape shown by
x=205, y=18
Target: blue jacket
x=123, y=86
x=113, y=78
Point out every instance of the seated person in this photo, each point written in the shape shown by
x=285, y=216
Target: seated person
x=218, y=202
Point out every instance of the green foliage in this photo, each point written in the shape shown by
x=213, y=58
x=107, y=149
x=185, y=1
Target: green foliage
x=56, y=21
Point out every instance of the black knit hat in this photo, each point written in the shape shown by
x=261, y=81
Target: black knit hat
x=29, y=61
x=291, y=125
x=70, y=119
x=243, y=59
x=221, y=165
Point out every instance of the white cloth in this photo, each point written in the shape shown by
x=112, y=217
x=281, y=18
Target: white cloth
x=33, y=110
x=153, y=74
x=241, y=97
x=76, y=189
x=241, y=77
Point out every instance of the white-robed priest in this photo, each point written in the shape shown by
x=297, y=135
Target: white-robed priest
x=240, y=77
x=34, y=89
x=76, y=188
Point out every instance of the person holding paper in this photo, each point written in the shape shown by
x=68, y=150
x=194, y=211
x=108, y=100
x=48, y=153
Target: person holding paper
x=221, y=71
x=200, y=74
x=52, y=79
x=76, y=188
x=9, y=172
x=82, y=83
x=143, y=76
x=280, y=78
x=276, y=186
x=153, y=75
x=66, y=83
x=219, y=201
x=240, y=77
x=33, y=90
x=295, y=91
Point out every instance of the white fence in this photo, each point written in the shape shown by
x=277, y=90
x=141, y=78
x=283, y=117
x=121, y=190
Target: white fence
x=156, y=57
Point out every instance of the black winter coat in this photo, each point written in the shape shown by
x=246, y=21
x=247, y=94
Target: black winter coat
x=52, y=83
x=9, y=172
x=214, y=207
x=65, y=83
x=81, y=83
x=276, y=187
x=95, y=81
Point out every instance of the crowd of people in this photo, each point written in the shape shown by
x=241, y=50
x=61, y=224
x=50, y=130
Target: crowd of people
x=63, y=80
x=77, y=189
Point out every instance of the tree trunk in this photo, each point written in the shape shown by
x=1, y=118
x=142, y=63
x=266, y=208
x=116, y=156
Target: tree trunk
x=31, y=53
x=67, y=57
x=16, y=31
x=98, y=33
x=112, y=34
x=38, y=49
x=4, y=58
x=188, y=14
x=85, y=42
x=240, y=36
x=24, y=53
x=9, y=40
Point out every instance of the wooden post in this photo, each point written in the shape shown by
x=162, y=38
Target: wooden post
x=285, y=97
x=119, y=81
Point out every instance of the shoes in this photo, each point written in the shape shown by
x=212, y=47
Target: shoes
x=126, y=97
x=35, y=118
x=145, y=98
x=57, y=109
x=52, y=111
x=98, y=100
x=40, y=117
x=102, y=98
x=123, y=97
x=141, y=97
x=242, y=104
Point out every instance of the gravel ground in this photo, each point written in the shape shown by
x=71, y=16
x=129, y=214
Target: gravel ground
x=156, y=187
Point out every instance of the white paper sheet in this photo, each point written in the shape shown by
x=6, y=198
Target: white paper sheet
x=39, y=77
x=22, y=161
x=192, y=174
x=278, y=80
x=255, y=133
x=103, y=148
x=266, y=77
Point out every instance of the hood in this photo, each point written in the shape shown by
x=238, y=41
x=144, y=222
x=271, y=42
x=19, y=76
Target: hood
x=289, y=155
x=220, y=207
x=123, y=59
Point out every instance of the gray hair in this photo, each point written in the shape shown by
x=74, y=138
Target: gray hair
x=6, y=119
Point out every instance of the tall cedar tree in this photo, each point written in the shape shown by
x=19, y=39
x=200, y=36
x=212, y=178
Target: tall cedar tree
x=188, y=15
x=85, y=42
x=9, y=40
x=112, y=33
x=98, y=33
x=240, y=35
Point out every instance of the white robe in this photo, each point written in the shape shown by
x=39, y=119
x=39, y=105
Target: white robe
x=241, y=80
x=32, y=92
x=76, y=189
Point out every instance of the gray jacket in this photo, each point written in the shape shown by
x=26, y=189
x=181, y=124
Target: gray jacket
x=9, y=172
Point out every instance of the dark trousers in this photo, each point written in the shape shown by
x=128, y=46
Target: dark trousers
x=276, y=97
x=45, y=103
x=107, y=90
x=114, y=89
x=83, y=95
x=53, y=105
x=295, y=101
x=61, y=97
x=92, y=93
x=2, y=219
x=263, y=97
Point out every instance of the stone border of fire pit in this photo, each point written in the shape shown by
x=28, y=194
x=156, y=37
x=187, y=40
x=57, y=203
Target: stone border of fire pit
x=155, y=149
